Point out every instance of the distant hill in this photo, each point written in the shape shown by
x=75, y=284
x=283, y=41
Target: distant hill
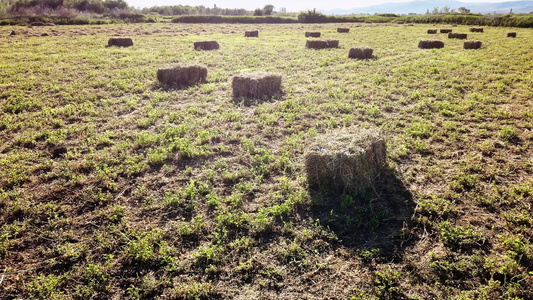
x=421, y=7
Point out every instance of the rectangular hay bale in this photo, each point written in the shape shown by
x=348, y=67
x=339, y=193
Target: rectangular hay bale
x=206, y=45
x=457, y=35
x=322, y=44
x=343, y=30
x=347, y=160
x=430, y=44
x=312, y=34
x=443, y=30
x=251, y=33
x=472, y=44
x=432, y=31
x=360, y=53
x=120, y=42
x=256, y=85
x=181, y=75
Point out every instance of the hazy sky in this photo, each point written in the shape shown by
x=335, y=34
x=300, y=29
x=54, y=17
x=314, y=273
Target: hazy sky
x=291, y=5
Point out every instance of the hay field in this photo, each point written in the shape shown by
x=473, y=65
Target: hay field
x=113, y=186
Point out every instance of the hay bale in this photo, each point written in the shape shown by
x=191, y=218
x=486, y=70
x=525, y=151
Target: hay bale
x=206, y=45
x=251, y=33
x=44, y=34
x=456, y=35
x=256, y=85
x=347, y=160
x=476, y=29
x=360, y=53
x=120, y=42
x=315, y=34
x=13, y=32
x=343, y=30
x=511, y=34
x=322, y=44
x=181, y=75
x=443, y=30
x=454, y=25
x=472, y=44
x=432, y=31
x=430, y=44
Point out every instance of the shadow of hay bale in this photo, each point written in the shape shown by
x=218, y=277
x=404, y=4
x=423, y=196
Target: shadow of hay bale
x=376, y=217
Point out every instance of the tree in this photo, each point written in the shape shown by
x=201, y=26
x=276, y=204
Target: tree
x=258, y=12
x=268, y=9
x=463, y=10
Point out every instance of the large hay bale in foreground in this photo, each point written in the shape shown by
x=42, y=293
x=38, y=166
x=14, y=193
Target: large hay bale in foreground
x=315, y=34
x=511, y=34
x=472, y=44
x=444, y=30
x=120, y=42
x=360, y=53
x=347, y=160
x=256, y=85
x=321, y=44
x=206, y=45
x=251, y=33
x=476, y=29
x=430, y=44
x=456, y=35
x=432, y=31
x=343, y=30
x=181, y=75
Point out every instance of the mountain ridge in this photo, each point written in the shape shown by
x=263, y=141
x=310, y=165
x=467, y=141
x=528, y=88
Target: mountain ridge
x=422, y=6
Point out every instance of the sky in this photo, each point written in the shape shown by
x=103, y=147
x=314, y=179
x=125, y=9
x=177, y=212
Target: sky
x=291, y=6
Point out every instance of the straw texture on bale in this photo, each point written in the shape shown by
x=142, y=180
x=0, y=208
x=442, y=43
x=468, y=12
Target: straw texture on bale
x=322, y=44
x=472, y=44
x=511, y=34
x=343, y=30
x=120, y=42
x=456, y=35
x=181, y=75
x=432, y=31
x=251, y=33
x=360, y=53
x=430, y=44
x=347, y=160
x=256, y=85
x=445, y=30
x=476, y=29
x=206, y=45
x=313, y=34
